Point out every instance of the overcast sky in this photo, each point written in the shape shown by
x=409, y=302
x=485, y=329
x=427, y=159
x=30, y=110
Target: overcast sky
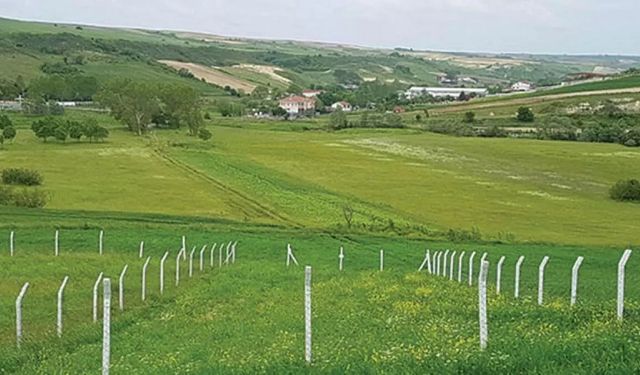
x=537, y=26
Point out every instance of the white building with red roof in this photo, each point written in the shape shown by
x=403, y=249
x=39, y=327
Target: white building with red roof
x=344, y=106
x=298, y=105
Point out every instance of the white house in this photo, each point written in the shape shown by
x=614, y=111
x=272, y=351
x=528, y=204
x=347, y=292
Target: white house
x=443, y=92
x=311, y=93
x=298, y=105
x=522, y=86
x=345, y=106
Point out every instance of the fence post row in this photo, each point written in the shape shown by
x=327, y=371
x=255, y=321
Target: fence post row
x=106, y=327
x=482, y=302
x=621, y=267
x=23, y=291
x=95, y=297
x=516, y=292
x=574, y=280
x=499, y=274
x=60, y=300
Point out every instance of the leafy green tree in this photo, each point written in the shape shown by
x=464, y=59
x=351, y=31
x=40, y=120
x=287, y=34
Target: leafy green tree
x=278, y=111
x=76, y=130
x=61, y=132
x=525, y=114
x=9, y=133
x=132, y=103
x=181, y=105
x=260, y=92
x=94, y=132
x=338, y=120
x=45, y=128
x=5, y=121
x=626, y=191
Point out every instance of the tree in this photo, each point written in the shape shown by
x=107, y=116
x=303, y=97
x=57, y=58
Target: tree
x=260, y=92
x=61, y=132
x=204, y=134
x=469, y=117
x=132, y=103
x=626, y=191
x=181, y=105
x=525, y=114
x=9, y=133
x=76, y=130
x=5, y=121
x=347, y=213
x=338, y=119
x=44, y=128
x=279, y=111
x=94, y=132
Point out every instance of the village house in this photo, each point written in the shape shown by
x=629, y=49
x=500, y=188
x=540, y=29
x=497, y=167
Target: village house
x=298, y=105
x=345, y=106
x=522, y=86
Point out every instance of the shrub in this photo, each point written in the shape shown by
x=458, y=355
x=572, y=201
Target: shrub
x=21, y=176
x=525, y=114
x=626, y=191
x=469, y=117
x=204, y=134
x=30, y=198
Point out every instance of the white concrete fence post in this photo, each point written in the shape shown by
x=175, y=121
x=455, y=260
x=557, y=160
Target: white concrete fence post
x=60, y=301
x=204, y=248
x=439, y=264
x=341, y=258
x=460, y=267
x=444, y=263
x=101, y=242
x=516, y=291
x=106, y=327
x=482, y=302
x=307, y=314
x=178, y=267
x=228, y=253
x=162, y=261
x=424, y=262
x=473, y=255
x=233, y=252
x=451, y=265
x=184, y=246
x=193, y=251
x=484, y=257
x=290, y=256
x=381, y=260
x=12, y=242
x=23, y=291
x=621, y=268
x=143, y=291
x=499, y=274
x=211, y=256
x=574, y=280
x=95, y=297
x=541, y=269
x=141, y=250
x=56, y=244
x=121, y=287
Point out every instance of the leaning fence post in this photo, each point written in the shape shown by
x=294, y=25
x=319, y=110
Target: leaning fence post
x=307, y=314
x=290, y=256
x=233, y=252
x=220, y=257
x=484, y=257
x=60, y=297
x=100, y=242
x=23, y=291
x=574, y=280
x=56, y=246
x=473, y=255
x=444, y=264
x=213, y=248
x=621, y=266
x=141, y=250
x=499, y=274
x=228, y=251
x=482, y=301
x=178, y=267
x=121, y=287
x=106, y=327
x=11, y=243
x=95, y=297
x=164, y=258
x=191, y=261
x=541, y=269
x=460, y=267
x=381, y=260
x=516, y=292
x=144, y=279
x=202, y=257
x=451, y=264
x=341, y=258
x=424, y=262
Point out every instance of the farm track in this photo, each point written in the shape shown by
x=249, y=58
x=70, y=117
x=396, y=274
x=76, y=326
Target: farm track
x=256, y=207
x=534, y=100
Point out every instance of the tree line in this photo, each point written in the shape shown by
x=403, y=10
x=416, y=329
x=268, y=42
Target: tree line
x=61, y=130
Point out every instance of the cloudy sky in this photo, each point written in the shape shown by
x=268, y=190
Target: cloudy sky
x=537, y=26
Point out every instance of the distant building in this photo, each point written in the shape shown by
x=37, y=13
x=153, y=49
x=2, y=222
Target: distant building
x=443, y=92
x=522, y=86
x=298, y=105
x=398, y=109
x=311, y=93
x=10, y=105
x=345, y=106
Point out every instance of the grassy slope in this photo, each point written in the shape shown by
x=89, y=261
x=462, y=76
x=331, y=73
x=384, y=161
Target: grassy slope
x=248, y=318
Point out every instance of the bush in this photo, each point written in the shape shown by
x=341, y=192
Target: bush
x=525, y=114
x=204, y=134
x=626, y=191
x=30, y=198
x=469, y=117
x=21, y=176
